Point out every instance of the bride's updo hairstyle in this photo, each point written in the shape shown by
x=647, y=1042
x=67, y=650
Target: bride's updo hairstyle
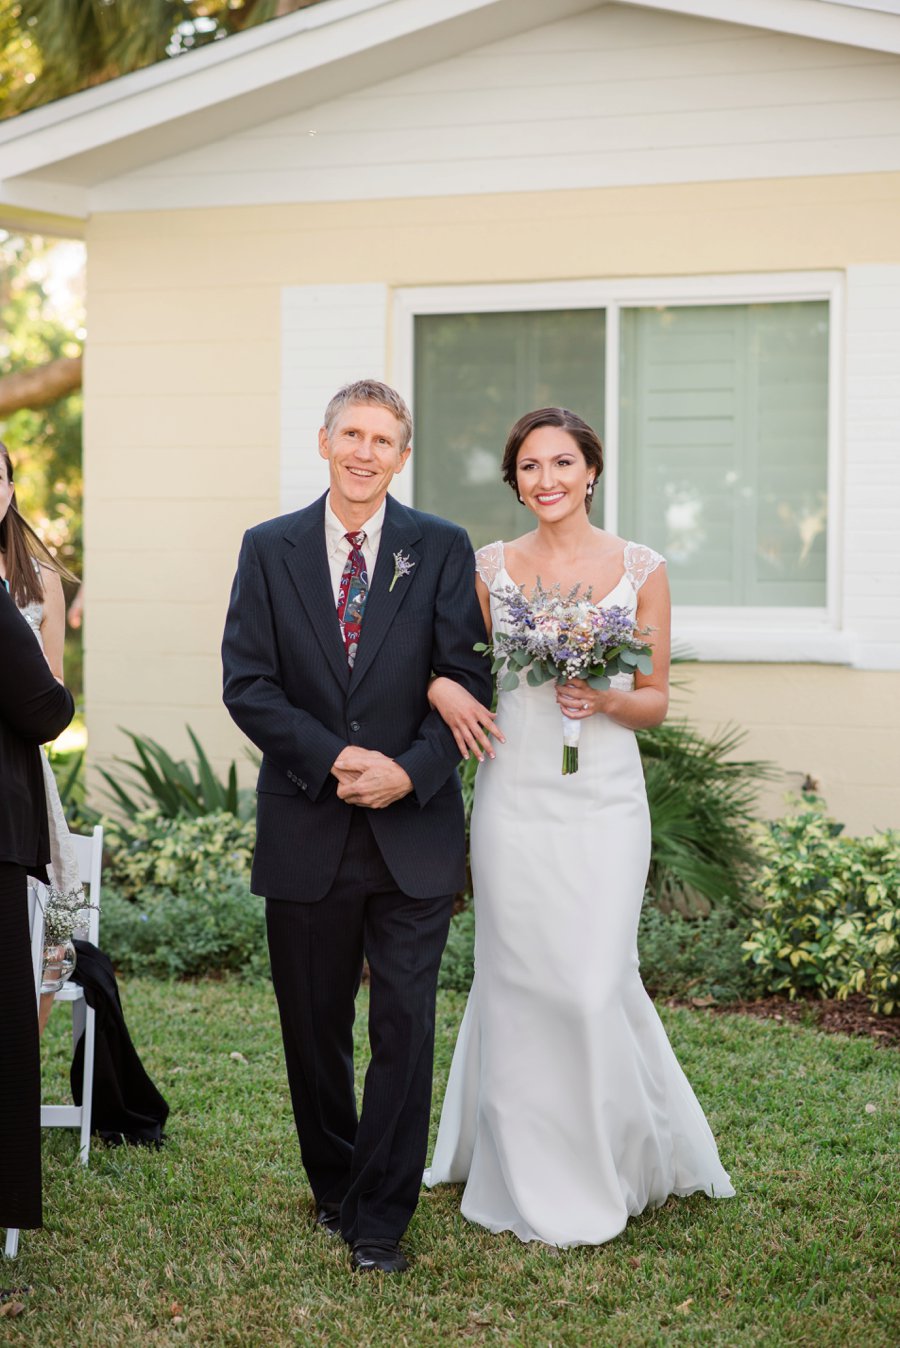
x=584, y=436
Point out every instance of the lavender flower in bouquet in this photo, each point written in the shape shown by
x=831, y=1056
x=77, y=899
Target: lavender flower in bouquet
x=562, y=637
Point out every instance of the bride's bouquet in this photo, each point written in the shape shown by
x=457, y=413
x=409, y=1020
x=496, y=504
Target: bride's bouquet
x=562, y=637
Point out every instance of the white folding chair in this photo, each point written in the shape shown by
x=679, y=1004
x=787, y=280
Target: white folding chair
x=89, y=856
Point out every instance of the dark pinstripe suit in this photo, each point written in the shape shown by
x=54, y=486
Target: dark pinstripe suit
x=342, y=881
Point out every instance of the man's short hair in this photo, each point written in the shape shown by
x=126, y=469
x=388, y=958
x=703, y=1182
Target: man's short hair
x=371, y=393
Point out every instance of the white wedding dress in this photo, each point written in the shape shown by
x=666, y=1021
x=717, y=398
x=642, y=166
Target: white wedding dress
x=566, y=1111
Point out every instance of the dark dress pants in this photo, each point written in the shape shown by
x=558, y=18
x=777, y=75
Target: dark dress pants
x=371, y=1167
x=20, y=1064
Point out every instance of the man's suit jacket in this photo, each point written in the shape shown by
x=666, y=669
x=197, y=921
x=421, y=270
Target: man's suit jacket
x=33, y=708
x=288, y=687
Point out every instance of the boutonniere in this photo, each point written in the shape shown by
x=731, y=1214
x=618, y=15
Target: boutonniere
x=402, y=567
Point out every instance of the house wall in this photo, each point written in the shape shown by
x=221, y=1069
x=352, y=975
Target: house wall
x=182, y=422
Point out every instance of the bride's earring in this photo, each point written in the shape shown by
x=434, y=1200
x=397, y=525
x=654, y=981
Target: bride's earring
x=590, y=488
x=519, y=499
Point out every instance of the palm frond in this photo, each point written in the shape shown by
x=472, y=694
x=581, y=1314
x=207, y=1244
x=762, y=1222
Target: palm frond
x=702, y=808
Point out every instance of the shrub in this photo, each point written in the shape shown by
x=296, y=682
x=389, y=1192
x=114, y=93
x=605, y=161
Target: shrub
x=875, y=965
x=177, y=899
x=694, y=956
x=831, y=911
x=150, y=852
x=180, y=935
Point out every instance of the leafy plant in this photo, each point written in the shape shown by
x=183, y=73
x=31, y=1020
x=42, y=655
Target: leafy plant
x=177, y=898
x=875, y=965
x=179, y=934
x=702, y=803
x=67, y=768
x=151, y=853
x=172, y=786
x=831, y=911
x=694, y=956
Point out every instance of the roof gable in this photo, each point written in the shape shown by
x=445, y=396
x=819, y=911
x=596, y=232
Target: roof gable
x=51, y=158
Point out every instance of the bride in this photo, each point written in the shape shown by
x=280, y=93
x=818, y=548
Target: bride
x=566, y=1111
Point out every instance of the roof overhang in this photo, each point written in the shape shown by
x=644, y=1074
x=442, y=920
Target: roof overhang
x=51, y=157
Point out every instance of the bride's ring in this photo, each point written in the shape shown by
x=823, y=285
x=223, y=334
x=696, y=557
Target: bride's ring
x=585, y=705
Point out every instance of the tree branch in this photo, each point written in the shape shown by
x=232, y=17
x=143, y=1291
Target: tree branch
x=39, y=386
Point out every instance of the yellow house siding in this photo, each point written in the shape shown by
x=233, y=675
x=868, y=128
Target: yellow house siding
x=768, y=225
x=839, y=726
x=182, y=425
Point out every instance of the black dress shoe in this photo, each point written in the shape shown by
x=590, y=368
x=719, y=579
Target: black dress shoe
x=377, y=1256
x=330, y=1220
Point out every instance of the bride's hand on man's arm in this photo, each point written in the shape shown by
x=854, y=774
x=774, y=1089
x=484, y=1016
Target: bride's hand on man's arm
x=471, y=723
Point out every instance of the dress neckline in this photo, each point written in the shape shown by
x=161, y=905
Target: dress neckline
x=596, y=602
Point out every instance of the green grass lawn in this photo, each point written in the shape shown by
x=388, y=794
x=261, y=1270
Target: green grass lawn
x=210, y=1241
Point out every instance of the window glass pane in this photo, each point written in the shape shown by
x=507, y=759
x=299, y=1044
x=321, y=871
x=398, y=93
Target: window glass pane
x=475, y=375
x=723, y=458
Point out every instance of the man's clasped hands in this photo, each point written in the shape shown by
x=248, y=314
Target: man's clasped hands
x=369, y=778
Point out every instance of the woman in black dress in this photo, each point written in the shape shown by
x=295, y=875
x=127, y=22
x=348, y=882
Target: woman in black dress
x=34, y=708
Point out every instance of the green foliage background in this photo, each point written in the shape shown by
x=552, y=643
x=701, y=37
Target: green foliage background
x=45, y=445
x=52, y=48
x=829, y=922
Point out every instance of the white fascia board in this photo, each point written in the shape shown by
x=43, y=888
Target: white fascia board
x=229, y=85
x=850, y=24
x=37, y=196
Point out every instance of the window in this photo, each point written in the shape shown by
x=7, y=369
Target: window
x=475, y=375
x=713, y=397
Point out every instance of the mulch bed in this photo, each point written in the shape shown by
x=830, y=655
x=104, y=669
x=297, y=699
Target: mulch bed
x=853, y=1016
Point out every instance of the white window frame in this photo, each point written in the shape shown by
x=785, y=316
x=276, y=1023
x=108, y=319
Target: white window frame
x=721, y=633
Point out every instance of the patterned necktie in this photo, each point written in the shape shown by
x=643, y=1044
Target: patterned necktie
x=352, y=592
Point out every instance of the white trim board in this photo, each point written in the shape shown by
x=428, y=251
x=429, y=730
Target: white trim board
x=854, y=24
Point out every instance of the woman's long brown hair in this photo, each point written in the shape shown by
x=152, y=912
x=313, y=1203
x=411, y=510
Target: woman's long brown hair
x=21, y=548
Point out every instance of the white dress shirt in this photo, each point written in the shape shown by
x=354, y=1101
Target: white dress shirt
x=338, y=549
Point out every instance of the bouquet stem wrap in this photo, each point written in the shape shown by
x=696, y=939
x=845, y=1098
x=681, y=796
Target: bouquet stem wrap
x=571, y=736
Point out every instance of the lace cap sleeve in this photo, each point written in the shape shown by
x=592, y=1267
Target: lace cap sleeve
x=641, y=562
x=489, y=562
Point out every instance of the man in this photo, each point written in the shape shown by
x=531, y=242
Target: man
x=339, y=615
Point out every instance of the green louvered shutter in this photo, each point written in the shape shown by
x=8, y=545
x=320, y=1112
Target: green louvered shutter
x=723, y=449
